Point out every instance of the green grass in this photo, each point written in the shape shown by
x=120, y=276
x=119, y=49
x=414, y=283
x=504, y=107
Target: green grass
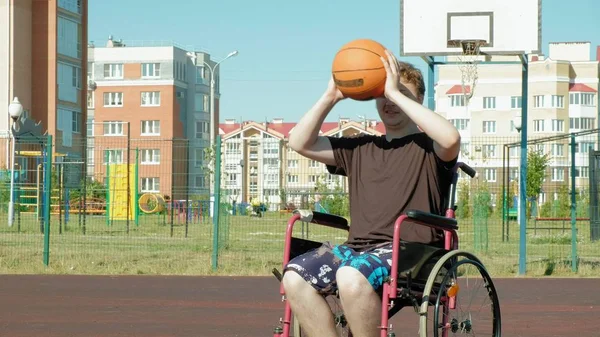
x=254, y=247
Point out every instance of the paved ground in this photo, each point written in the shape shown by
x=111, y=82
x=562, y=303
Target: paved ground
x=152, y=306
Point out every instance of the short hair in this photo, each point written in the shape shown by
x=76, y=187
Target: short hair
x=410, y=74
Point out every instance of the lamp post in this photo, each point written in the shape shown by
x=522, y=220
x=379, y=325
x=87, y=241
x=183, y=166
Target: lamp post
x=15, y=110
x=212, y=107
x=212, y=94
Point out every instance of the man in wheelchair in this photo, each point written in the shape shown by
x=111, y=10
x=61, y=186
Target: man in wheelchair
x=410, y=167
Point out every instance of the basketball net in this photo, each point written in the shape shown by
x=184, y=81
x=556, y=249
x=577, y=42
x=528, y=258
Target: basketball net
x=468, y=66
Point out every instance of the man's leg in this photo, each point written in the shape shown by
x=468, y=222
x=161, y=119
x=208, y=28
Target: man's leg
x=357, y=278
x=303, y=277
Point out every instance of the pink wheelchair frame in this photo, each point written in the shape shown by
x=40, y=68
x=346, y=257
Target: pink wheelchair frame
x=446, y=223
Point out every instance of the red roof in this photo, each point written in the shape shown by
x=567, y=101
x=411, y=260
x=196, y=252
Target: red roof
x=458, y=89
x=580, y=87
x=286, y=128
x=227, y=128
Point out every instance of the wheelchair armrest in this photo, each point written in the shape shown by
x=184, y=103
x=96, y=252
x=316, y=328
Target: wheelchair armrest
x=433, y=219
x=324, y=219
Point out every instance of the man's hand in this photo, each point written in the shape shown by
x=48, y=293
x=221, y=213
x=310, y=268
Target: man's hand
x=333, y=92
x=392, y=81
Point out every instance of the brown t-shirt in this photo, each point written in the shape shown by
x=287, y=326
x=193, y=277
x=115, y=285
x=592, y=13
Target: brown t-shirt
x=387, y=178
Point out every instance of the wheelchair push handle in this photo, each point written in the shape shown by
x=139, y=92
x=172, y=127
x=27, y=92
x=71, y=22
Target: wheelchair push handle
x=466, y=169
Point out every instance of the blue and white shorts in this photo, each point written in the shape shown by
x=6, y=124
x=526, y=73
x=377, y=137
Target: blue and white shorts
x=319, y=266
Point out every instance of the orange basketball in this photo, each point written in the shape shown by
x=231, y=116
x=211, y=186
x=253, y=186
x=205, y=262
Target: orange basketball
x=358, y=71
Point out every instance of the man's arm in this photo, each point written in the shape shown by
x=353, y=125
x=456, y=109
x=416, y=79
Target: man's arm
x=446, y=139
x=305, y=138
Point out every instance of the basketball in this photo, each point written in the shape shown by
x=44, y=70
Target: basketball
x=358, y=71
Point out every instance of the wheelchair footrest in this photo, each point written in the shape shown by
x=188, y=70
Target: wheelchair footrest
x=277, y=274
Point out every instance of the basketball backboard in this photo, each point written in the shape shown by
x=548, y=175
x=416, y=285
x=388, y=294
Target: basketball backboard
x=432, y=27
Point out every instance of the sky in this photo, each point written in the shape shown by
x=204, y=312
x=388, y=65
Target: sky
x=286, y=48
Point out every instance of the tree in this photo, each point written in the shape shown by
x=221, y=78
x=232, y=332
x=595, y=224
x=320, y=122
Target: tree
x=463, y=208
x=335, y=200
x=536, y=173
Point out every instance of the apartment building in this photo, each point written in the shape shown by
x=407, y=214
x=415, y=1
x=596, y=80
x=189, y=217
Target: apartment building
x=562, y=98
x=42, y=62
x=149, y=102
x=258, y=162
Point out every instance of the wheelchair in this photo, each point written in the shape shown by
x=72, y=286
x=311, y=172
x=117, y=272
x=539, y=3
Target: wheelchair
x=431, y=282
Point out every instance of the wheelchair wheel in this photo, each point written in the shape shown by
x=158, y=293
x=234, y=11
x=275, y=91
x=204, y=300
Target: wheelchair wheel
x=451, y=279
x=341, y=325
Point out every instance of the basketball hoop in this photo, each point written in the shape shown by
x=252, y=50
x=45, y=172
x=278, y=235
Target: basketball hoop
x=468, y=64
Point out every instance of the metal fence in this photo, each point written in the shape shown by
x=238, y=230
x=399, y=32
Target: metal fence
x=134, y=206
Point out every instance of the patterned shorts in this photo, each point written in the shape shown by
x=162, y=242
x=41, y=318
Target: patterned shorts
x=319, y=266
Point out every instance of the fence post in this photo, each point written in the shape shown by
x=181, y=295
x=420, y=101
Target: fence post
x=216, y=203
x=48, y=188
x=573, y=209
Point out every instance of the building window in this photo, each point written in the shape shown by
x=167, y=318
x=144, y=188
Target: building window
x=113, y=157
x=150, y=69
x=558, y=125
x=489, y=151
x=150, y=156
x=313, y=164
x=538, y=101
x=200, y=75
x=582, y=172
x=583, y=123
x=113, y=99
x=558, y=150
x=489, y=126
x=558, y=174
x=489, y=103
x=90, y=127
x=151, y=98
x=461, y=123
x=69, y=82
x=233, y=148
x=70, y=5
x=516, y=102
x=68, y=36
x=90, y=99
x=457, y=100
x=538, y=125
x=113, y=128
x=293, y=163
x=76, y=121
x=200, y=181
x=558, y=101
x=113, y=70
x=292, y=178
x=584, y=147
x=150, y=128
x=490, y=174
x=201, y=102
x=150, y=184
x=202, y=130
x=199, y=156
x=581, y=98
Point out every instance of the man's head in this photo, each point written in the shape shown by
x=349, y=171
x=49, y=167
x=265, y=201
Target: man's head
x=412, y=86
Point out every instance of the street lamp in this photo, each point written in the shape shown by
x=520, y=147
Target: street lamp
x=15, y=110
x=212, y=102
x=212, y=89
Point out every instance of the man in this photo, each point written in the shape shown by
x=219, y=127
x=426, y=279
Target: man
x=408, y=168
